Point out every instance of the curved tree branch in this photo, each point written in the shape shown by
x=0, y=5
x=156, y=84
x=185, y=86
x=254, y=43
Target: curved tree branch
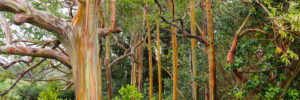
x=26, y=13
x=36, y=52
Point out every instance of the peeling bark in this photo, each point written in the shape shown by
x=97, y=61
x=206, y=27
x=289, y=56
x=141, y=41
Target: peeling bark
x=84, y=51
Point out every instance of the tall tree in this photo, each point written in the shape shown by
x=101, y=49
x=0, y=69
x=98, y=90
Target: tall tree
x=159, y=59
x=193, y=42
x=107, y=46
x=211, y=52
x=149, y=54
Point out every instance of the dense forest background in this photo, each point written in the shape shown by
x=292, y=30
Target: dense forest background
x=256, y=50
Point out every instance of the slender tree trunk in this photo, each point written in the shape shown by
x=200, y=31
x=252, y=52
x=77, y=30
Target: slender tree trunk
x=140, y=64
x=211, y=52
x=149, y=55
x=159, y=62
x=175, y=63
x=108, y=68
x=171, y=7
x=134, y=64
x=84, y=51
x=194, y=43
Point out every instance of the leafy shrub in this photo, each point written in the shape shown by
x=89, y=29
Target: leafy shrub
x=129, y=93
x=30, y=92
x=51, y=93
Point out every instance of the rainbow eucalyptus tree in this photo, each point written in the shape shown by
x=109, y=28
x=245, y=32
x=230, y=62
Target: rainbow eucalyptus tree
x=79, y=37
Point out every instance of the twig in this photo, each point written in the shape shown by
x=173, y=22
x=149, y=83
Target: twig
x=68, y=86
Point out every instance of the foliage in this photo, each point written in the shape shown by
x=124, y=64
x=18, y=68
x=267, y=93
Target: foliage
x=129, y=93
x=51, y=93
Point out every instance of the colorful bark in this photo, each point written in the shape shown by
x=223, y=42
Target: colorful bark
x=211, y=52
x=84, y=51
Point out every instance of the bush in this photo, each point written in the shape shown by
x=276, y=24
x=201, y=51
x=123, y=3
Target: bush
x=129, y=93
x=51, y=93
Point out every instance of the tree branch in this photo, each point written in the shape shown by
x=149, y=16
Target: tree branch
x=21, y=76
x=231, y=52
x=26, y=13
x=184, y=32
x=118, y=43
x=254, y=30
x=5, y=66
x=67, y=87
x=104, y=31
x=36, y=52
x=196, y=37
x=128, y=54
x=120, y=58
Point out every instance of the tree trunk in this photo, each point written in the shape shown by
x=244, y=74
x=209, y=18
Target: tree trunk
x=159, y=62
x=175, y=63
x=134, y=64
x=150, y=56
x=194, y=43
x=84, y=51
x=140, y=64
x=108, y=68
x=211, y=52
x=171, y=6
